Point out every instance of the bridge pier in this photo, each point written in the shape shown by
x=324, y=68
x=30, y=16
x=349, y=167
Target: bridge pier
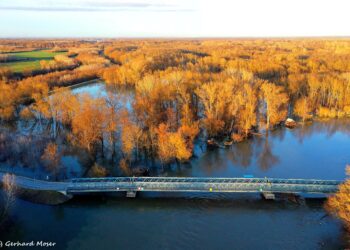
x=131, y=194
x=268, y=195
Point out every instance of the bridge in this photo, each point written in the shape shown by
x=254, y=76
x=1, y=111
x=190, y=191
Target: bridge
x=132, y=185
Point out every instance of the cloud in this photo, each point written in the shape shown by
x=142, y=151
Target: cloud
x=91, y=6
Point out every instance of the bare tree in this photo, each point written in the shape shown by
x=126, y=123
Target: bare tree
x=9, y=187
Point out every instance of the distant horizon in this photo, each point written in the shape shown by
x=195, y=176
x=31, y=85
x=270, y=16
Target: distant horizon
x=178, y=37
x=173, y=18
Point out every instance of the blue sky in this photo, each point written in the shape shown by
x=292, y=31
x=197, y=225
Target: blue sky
x=174, y=18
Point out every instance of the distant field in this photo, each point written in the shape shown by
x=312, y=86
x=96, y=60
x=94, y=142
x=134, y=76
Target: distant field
x=29, y=60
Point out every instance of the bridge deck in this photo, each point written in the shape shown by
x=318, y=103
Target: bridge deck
x=181, y=184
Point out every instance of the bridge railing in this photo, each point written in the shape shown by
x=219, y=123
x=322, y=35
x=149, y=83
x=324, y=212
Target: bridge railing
x=183, y=184
x=209, y=180
x=203, y=184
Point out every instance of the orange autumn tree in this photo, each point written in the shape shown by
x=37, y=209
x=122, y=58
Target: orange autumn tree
x=215, y=97
x=63, y=105
x=247, y=116
x=97, y=171
x=302, y=109
x=89, y=123
x=130, y=138
x=51, y=158
x=275, y=100
x=7, y=101
x=171, y=145
x=339, y=204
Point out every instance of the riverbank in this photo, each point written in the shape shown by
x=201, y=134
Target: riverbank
x=78, y=85
x=42, y=196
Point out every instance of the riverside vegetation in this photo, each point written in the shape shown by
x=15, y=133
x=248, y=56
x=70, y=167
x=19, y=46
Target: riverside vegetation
x=222, y=90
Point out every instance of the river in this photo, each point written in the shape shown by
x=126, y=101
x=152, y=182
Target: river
x=206, y=221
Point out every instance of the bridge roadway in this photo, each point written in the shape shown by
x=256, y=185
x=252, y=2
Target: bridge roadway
x=132, y=185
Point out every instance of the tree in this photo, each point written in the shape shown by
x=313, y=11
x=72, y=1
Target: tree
x=51, y=158
x=5, y=73
x=112, y=117
x=189, y=133
x=339, y=204
x=171, y=145
x=178, y=143
x=124, y=167
x=165, y=149
x=275, y=101
x=89, y=123
x=302, y=109
x=215, y=97
x=9, y=185
x=7, y=101
x=63, y=105
x=130, y=137
x=247, y=116
x=97, y=171
x=59, y=108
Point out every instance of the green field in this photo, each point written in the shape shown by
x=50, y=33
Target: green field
x=29, y=60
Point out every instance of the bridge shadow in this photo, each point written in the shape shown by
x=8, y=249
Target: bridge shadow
x=80, y=219
x=210, y=200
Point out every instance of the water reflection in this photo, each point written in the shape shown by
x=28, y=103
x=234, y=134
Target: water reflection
x=242, y=154
x=327, y=127
x=315, y=150
x=266, y=158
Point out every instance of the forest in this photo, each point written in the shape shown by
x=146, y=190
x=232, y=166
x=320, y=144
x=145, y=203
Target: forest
x=223, y=90
x=220, y=91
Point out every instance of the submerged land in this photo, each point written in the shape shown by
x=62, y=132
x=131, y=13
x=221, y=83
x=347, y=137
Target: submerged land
x=202, y=107
x=223, y=91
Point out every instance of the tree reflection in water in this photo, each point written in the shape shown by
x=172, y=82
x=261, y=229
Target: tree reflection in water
x=242, y=154
x=329, y=127
x=266, y=158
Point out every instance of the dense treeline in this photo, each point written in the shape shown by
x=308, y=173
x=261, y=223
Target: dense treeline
x=16, y=45
x=221, y=89
x=339, y=204
x=315, y=71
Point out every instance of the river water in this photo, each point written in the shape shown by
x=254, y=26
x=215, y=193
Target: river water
x=206, y=221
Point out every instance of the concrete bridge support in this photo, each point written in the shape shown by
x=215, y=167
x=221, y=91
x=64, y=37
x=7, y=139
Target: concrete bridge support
x=268, y=195
x=131, y=194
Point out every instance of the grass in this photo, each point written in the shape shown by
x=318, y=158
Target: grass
x=20, y=66
x=29, y=60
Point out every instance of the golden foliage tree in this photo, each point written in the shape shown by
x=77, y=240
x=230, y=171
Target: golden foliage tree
x=88, y=124
x=339, y=204
x=97, y=171
x=7, y=101
x=171, y=145
x=247, y=116
x=51, y=158
x=302, y=108
x=275, y=101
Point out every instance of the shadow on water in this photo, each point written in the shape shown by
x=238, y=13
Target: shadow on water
x=178, y=200
x=196, y=221
x=169, y=221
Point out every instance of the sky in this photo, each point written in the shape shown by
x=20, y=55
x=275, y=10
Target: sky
x=174, y=18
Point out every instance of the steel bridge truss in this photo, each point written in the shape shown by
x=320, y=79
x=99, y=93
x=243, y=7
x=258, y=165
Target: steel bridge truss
x=201, y=184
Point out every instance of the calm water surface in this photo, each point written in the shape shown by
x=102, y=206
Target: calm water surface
x=196, y=221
